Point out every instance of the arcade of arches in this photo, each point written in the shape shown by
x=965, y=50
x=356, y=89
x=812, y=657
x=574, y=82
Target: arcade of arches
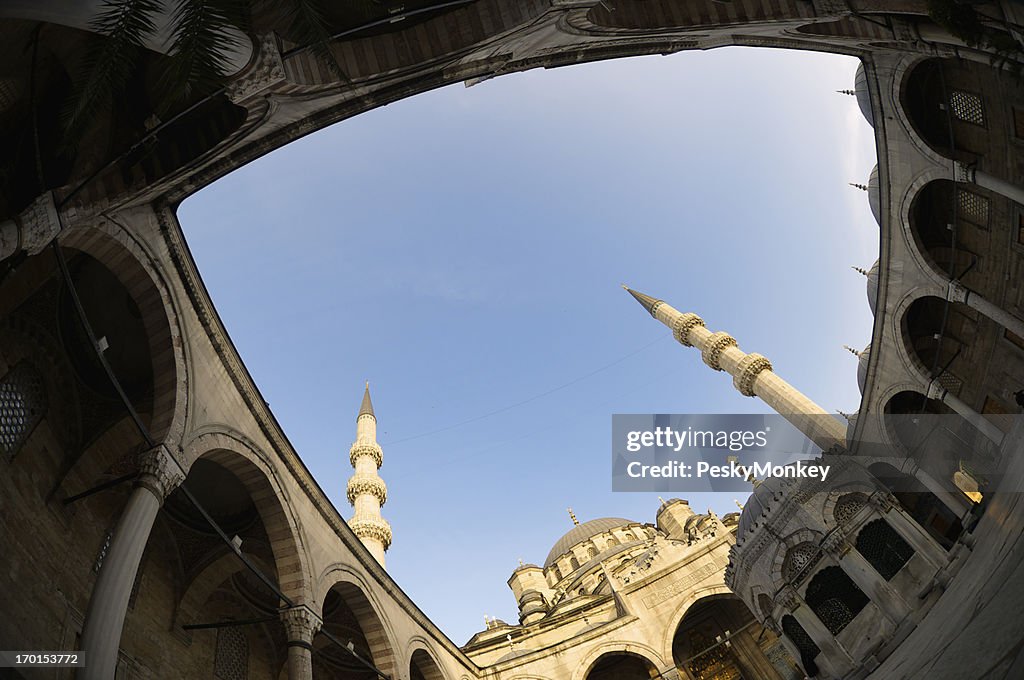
x=156, y=517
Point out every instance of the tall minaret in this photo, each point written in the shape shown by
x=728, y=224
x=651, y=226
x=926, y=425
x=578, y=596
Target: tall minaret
x=751, y=373
x=366, y=490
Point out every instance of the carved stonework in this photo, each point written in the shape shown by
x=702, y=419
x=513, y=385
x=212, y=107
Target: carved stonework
x=374, y=529
x=956, y=292
x=936, y=390
x=835, y=544
x=963, y=172
x=716, y=344
x=363, y=449
x=788, y=598
x=371, y=484
x=39, y=224
x=749, y=368
x=300, y=623
x=265, y=70
x=159, y=472
x=682, y=326
x=831, y=7
x=883, y=501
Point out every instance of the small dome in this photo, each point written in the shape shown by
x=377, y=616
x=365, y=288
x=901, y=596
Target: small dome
x=757, y=504
x=582, y=532
x=874, y=199
x=860, y=88
x=862, y=368
x=873, y=286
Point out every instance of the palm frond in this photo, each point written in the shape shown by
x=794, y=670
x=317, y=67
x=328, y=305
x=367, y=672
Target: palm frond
x=109, y=62
x=309, y=27
x=203, y=34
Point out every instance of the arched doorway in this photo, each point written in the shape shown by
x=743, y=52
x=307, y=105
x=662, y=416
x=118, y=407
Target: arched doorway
x=423, y=667
x=622, y=666
x=719, y=639
x=349, y=616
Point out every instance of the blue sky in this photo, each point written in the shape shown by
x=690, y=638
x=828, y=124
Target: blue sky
x=463, y=251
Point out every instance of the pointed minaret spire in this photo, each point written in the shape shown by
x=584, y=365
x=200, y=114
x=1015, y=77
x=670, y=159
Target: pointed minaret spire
x=751, y=374
x=366, y=490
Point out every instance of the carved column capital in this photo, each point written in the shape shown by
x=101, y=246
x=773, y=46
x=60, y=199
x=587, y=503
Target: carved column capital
x=265, y=69
x=749, y=368
x=936, y=391
x=33, y=229
x=714, y=347
x=788, y=598
x=682, y=326
x=300, y=623
x=957, y=292
x=883, y=500
x=159, y=472
x=835, y=544
x=964, y=172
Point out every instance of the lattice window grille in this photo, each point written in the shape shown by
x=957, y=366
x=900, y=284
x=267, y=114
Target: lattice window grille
x=834, y=613
x=834, y=598
x=231, y=661
x=792, y=629
x=22, y=405
x=973, y=207
x=967, y=106
x=950, y=382
x=848, y=506
x=799, y=560
x=883, y=548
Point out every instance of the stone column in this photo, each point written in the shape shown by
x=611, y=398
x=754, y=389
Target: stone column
x=751, y=657
x=301, y=623
x=867, y=578
x=32, y=230
x=956, y=501
x=969, y=173
x=837, y=658
x=911, y=532
x=785, y=641
x=957, y=292
x=983, y=425
x=159, y=474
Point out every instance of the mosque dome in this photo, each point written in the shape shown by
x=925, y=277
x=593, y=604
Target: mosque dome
x=758, y=503
x=874, y=198
x=862, y=368
x=582, y=532
x=860, y=88
x=873, y=286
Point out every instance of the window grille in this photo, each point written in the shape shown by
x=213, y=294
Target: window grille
x=973, y=207
x=883, y=548
x=847, y=506
x=22, y=405
x=231, y=660
x=967, y=106
x=804, y=644
x=834, y=598
x=799, y=560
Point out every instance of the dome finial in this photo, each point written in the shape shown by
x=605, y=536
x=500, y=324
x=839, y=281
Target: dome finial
x=572, y=516
x=849, y=92
x=860, y=270
x=851, y=350
x=862, y=187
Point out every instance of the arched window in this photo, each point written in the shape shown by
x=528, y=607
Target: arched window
x=804, y=644
x=799, y=560
x=883, y=548
x=847, y=506
x=22, y=405
x=613, y=542
x=591, y=552
x=574, y=563
x=834, y=598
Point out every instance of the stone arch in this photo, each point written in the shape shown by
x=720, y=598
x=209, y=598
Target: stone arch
x=356, y=594
x=259, y=478
x=597, y=657
x=923, y=506
x=801, y=536
x=423, y=663
x=834, y=598
x=130, y=262
x=898, y=83
x=206, y=581
x=841, y=501
x=677, y=615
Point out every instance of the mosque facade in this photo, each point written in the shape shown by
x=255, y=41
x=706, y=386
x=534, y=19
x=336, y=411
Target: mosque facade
x=156, y=517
